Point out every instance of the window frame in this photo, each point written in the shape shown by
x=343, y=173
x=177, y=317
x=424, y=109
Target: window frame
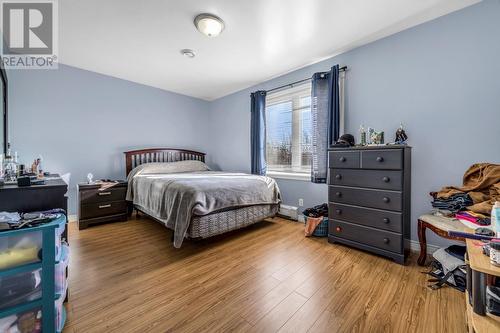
x=283, y=96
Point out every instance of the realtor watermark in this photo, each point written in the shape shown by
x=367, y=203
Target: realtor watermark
x=30, y=39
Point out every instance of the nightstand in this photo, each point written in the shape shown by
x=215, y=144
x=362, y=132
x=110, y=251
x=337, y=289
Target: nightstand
x=101, y=202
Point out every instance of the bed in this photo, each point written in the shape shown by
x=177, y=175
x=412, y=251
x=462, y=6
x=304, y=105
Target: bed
x=176, y=188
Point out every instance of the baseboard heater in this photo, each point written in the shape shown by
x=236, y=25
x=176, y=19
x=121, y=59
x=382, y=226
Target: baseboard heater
x=289, y=212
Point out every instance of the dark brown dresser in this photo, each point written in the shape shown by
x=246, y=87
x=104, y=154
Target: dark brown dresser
x=101, y=202
x=369, y=192
x=24, y=199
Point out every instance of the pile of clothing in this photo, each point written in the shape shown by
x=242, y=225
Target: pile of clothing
x=314, y=217
x=474, y=200
x=15, y=220
x=453, y=203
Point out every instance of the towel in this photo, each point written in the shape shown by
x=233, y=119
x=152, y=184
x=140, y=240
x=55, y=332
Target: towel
x=311, y=224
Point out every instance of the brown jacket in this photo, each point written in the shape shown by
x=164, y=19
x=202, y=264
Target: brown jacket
x=482, y=183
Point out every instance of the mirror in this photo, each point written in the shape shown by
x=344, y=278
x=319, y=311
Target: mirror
x=3, y=112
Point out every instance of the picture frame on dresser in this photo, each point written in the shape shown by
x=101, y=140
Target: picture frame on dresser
x=369, y=196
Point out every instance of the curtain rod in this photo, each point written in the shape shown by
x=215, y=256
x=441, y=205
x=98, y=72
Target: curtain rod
x=341, y=69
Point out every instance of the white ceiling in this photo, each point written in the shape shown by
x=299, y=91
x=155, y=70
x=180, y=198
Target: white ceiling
x=140, y=40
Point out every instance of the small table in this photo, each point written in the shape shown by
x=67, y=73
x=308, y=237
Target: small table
x=479, y=270
x=440, y=225
x=101, y=202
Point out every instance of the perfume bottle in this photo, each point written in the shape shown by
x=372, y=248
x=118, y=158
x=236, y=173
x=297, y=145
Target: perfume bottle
x=10, y=166
x=10, y=169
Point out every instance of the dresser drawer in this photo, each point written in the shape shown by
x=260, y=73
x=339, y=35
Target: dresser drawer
x=103, y=195
x=381, y=179
x=390, y=200
x=385, y=240
x=382, y=159
x=380, y=219
x=103, y=209
x=343, y=159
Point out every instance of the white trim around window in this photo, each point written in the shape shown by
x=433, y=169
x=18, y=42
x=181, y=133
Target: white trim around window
x=289, y=175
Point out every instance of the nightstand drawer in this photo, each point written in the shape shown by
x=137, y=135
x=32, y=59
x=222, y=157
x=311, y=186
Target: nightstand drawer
x=103, y=209
x=102, y=195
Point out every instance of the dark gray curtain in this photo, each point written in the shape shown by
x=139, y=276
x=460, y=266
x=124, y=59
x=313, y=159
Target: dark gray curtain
x=325, y=116
x=333, y=105
x=258, y=132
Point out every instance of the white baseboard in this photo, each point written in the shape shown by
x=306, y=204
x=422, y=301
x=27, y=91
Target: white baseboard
x=415, y=247
x=414, y=244
x=72, y=218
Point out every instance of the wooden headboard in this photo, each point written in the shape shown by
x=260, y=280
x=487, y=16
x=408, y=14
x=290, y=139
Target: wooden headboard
x=135, y=158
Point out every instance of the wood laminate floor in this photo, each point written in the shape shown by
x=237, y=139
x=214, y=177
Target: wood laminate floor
x=127, y=277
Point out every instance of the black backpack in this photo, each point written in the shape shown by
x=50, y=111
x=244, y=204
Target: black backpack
x=455, y=278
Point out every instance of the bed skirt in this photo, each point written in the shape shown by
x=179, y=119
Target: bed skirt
x=225, y=221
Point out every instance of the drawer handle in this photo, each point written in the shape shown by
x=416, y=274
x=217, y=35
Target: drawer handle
x=338, y=194
x=386, y=220
x=338, y=229
x=380, y=159
x=339, y=211
x=338, y=176
x=104, y=206
x=104, y=193
x=386, y=240
x=386, y=199
x=342, y=159
x=386, y=179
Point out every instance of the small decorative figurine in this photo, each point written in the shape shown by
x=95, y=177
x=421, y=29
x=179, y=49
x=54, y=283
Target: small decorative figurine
x=401, y=136
x=362, y=133
x=90, y=178
x=377, y=138
x=370, y=135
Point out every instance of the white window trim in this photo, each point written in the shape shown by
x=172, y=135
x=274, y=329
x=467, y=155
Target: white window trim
x=280, y=97
x=289, y=175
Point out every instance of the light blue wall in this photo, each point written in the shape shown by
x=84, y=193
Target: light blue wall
x=441, y=79
x=81, y=122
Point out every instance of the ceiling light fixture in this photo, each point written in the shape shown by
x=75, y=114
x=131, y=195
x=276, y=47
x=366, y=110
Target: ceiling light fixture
x=209, y=25
x=188, y=53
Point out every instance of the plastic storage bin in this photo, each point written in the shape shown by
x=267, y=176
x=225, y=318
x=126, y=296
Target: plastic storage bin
x=59, y=232
x=60, y=312
x=20, y=249
x=24, y=322
x=20, y=288
x=60, y=270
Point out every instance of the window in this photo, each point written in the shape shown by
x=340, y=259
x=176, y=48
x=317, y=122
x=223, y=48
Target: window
x=288, y=126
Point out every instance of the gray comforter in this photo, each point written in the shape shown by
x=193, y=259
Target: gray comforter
x=175, y=197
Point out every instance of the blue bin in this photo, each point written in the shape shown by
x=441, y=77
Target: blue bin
x=322, y=228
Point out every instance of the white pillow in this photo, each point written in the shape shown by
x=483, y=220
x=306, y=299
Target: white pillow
x=168, y=167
